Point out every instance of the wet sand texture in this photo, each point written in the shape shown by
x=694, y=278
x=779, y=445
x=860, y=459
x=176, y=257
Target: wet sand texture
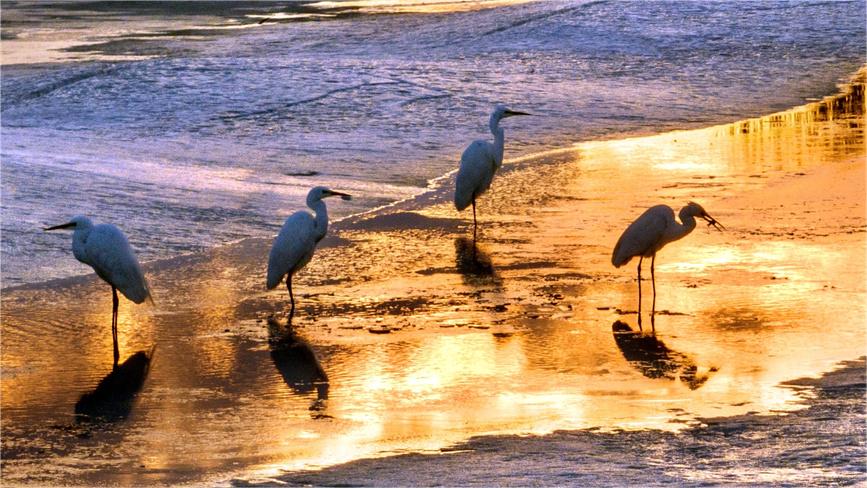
x=822, y=444
x=513, y=336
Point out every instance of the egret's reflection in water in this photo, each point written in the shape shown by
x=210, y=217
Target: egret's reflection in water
x=759, y=301
x=298, y=364
x=473, y=263
x=654, y=359
x=113, y=397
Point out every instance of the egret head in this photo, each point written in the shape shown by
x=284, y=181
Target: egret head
x=77, y=222
x=320, y=192
x=501, y=112
x=697, y=210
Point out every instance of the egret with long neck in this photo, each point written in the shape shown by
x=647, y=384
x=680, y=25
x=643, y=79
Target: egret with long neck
x=294, y=246
x=479, y=162
x=105, y=248
x=649, y=233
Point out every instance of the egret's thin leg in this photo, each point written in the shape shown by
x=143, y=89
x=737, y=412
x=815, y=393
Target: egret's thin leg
x=641, y=258
x=653, y=280
x=114, y=303
x=474, y=219
x=291, y=298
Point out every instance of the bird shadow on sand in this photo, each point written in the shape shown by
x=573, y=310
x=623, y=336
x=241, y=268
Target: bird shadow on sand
x=652, y=358
x=297, y=363
x=478, y=272
x=474, y=263
x=113, y=398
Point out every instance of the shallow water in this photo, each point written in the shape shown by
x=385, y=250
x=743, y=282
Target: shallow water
x=427, y=341
x=223, y=132
x=820, y=445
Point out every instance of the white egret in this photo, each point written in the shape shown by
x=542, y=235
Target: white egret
x=649, y=233
x=105, y=248
x=293, y=248
x=479, y=162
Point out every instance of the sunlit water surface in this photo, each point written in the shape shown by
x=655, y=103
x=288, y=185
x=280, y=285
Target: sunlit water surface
x=427, y=341
x=214, y=125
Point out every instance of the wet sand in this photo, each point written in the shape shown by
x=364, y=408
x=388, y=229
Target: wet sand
x=822, y=444
x=427, y=341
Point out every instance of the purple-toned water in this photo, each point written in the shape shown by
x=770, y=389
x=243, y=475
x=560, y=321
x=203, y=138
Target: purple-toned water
x=192, y=125
x=213, y=126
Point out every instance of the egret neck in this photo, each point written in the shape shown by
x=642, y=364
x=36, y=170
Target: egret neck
x=499, y=137
x=321, y=211
x=83, y=226
x=679, y=231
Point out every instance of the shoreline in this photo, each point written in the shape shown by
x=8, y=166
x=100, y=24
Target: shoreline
x=437, y=189
x=429, y=341
x=651, y=458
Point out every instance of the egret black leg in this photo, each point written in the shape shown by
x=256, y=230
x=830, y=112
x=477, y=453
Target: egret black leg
x=291, y=298
x=474, y=219
x=653, y=281
x=114, y=303
x=641, y=258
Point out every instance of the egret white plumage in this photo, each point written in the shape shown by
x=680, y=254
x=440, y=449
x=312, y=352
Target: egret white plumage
x=294, y=246
x=649, y=233
x=480, y=160
x=105, y=248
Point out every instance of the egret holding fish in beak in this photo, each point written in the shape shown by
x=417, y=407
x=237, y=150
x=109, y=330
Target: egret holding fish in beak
x=649, y=233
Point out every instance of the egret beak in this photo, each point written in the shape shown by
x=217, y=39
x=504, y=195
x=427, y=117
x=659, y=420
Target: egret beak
x=343, y=196
x=713, y=222
x=61, y=226
x=509, y=113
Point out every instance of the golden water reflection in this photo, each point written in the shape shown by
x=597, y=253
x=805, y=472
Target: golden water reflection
x=415, y=6
x=426, y=340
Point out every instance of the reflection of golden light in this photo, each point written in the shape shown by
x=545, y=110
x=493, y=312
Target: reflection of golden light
x=748, y=303
x=416, y=6
x=216, y=352
x=134, y=328
x=697, y=260
x=308, y=434
x=777, y=141
x=377, y=384
x=680, y=166
x=427, y=389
